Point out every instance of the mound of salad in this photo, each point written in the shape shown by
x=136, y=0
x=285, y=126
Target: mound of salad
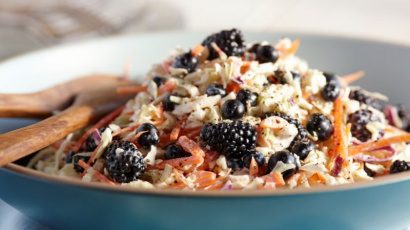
x=231, y=115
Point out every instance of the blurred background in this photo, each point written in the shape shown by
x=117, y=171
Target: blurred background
x=27, y=25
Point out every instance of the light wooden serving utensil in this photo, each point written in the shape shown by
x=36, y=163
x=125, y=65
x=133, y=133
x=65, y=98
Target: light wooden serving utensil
x=87, y=106
x=43, y=103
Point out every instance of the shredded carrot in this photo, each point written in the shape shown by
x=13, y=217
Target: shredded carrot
x=293, y=48
x=178, y=186
x=219, y=183
x=178, y=163
x=338, y=147
x=275, y=177
x=204, y=178
x=126, y=129
x=232, y=87
x=394, y=130
x=197, y=51
x=245, y=66
x=97, y=174
x=190, y=146
x=175, y=133
x=167, y=87
x=103, y=122
x=131, y=89
x=253, y=168
x=369, y=146
x=350, y=78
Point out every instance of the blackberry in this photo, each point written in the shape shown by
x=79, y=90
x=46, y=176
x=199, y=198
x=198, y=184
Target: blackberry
x=302, y=148
x=233, y=139
x=175, y=151
x=302, y=133
x=359, y=120
x=150, y=135
x=266, y=53
x=360, y=96
x=159, y=80
x=285, y=157
x=123, y=161
x=229, y=41
x=233, y=109
x=258, y=156
x=76, y=158
x=399, y=166
x=246, y=96
x=215, y=89
x=186, y=61
x=320, y=126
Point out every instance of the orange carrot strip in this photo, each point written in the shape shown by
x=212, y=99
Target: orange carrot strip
x=167, y=87
x=178, y=163
x=126, y=129
x=103, y=122
x=293, y=48
x=175, y=133
x=275, y=177
x=369, y=146
x=253, y=168
x=392, y=129
x=204, y=178
x=197, y=51
x=219, y=183
x=97, y=174
x=233, y=87
x=350, y=78
x=131, y=89
x=190, y=146
x=245, y=66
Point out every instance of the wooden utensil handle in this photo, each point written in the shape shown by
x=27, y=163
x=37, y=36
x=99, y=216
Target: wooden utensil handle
x=26, y=105
x=21, y=142
x=41, y=104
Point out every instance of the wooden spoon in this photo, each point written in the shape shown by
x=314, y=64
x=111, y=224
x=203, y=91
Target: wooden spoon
x=43, y=103
x=86, y=107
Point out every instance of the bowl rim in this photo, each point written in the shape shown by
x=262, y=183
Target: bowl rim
x=40, y=176
x=37, y=175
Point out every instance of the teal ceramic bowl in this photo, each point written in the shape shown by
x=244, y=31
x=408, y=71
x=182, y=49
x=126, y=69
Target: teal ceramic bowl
x=68, y=204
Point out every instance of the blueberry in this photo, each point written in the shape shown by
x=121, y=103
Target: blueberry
x=150, y=137
x=296, y=76
x=233, y=109
x=69, y=157
x=330, y=91
x=320, y=126
x=234, y=163
x=159, y=80
x=167, y=103
x=285, y=157
x=267, y=53
x=302, y=148
x=175, y=151
x=258, y=156
x=245, y=96
x=215, y=89
x=331, y=77
x=186, y=61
